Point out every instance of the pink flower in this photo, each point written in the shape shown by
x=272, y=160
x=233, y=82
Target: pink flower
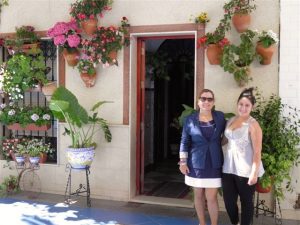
x=59, y=40
x=73, y=40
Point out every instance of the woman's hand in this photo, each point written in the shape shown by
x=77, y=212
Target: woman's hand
x=252, y=179
x=184, y=169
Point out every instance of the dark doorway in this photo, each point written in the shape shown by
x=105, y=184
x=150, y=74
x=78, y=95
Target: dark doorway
x=169, y=83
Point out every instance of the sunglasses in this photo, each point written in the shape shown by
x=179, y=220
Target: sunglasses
x=203, y=99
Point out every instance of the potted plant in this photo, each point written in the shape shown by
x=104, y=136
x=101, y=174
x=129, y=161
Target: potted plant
x=85, y=12
x=88, y=61
x=9, y=149
x=21, y=73
x=111, y=39
x=66, y=36
x=26, y=40
x=80, y=126
x=32, y=118
x=202, y=18
x=10, y=184
x=215, y=41
x=266, y=46
x=240, y=11
x=236, y=59
x=280, y=125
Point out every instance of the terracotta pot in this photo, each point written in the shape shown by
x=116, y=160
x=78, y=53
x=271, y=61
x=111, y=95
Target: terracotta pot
x=72, y=57
x=43, y=157
x=214, y=54
x=113, y=56
x=88, y=79
x=89, y=26
x=31, y=48
x=241, y=22
x=265, y=53
x=31, y=127
x=260, y=189
x=48, y=90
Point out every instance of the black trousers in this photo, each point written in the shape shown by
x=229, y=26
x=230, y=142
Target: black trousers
x=234, y=186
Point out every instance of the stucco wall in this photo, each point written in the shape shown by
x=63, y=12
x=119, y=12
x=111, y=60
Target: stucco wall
x=117, y=159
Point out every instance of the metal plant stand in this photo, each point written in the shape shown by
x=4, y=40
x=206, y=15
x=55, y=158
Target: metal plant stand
x=262, y=209
x=82, y=190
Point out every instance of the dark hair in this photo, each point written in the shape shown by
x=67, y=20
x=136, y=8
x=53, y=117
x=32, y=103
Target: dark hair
x=248, y=93
x=206, y=90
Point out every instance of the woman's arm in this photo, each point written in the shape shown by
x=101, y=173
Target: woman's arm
x=184, y=149
x=256, y=138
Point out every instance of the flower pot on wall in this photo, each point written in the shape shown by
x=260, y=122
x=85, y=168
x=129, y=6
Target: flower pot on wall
x=260, y=189
x=48, y=90
x=88, y=79
x=214, y=53
x=71, y=57
x=80, y=158
x=265, y=53
x=113, y=56
x=31, y=127
x=89, y=26
x=241, y=22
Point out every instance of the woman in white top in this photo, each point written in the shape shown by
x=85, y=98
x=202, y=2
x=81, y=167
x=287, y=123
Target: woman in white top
x=242, y=160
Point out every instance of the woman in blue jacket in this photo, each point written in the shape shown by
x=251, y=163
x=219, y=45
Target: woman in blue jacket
x=201, y=156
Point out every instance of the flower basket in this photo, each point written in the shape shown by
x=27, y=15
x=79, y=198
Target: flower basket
x=88, y=79
x=265, y=53
x=71, y=57
x=241, y=22
x=89, y=26
x=31, y=127
x=214, y=54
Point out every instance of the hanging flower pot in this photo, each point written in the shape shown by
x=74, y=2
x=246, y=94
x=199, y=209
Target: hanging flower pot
x=214, y=53
x=71, y=56
x=241, y=22
x=265, y=53
x=89, y=26
x=88, y=79
x=242, y=75
x=48, y=90
x=113, y=57
x=80, y=158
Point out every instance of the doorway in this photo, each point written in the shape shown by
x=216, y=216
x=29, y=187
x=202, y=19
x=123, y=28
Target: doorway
x=167, y=78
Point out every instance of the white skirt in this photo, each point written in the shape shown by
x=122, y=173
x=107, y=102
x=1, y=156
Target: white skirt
x=203, y=182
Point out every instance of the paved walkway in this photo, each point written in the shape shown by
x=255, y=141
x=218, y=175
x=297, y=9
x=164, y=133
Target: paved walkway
x=49, y=209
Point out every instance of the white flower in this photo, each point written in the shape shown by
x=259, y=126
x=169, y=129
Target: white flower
x=11, y=112
x=46, y=117
x=34, y=117
x=11, y=104
x=106, y=65
x=3, y=105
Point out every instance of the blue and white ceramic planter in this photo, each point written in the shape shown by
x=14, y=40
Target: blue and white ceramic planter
x=34, y=160
x=80, y=158
x=20, y=160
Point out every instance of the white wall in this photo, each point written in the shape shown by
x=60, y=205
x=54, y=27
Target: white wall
x=289, y=82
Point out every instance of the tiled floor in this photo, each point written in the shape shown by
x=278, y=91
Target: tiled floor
x=50, y=210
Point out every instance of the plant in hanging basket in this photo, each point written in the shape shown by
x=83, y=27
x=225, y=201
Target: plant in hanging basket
x=202, y=18
x=26, y=40
x=22, y=118
x=236, y=59
x=266, y=46
x=89, y=9
x=21, y=73
x=66, y=35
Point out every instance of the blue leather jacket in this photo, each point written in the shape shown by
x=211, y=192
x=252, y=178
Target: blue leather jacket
x=195, y=145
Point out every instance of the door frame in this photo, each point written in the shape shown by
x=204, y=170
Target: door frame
x=131, y=84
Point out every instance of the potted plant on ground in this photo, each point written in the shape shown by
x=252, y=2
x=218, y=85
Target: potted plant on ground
x=85, y=12
x=66, y=36
x=21, y=73
x=9, y=185
x=80, y=126
x=266, y=46
x=280, y=125
x=26, y=41
x=236, y=59
x=32, y=118
x=240, y=11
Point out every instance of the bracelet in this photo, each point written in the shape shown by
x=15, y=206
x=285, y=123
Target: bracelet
x=182, y=162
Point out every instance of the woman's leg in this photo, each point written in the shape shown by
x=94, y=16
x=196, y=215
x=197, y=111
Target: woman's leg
x=199, y=201
x=230, y=195
x=212, y=204
x=246, y=193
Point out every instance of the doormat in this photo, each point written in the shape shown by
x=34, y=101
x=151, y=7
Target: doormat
x=170, y=190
